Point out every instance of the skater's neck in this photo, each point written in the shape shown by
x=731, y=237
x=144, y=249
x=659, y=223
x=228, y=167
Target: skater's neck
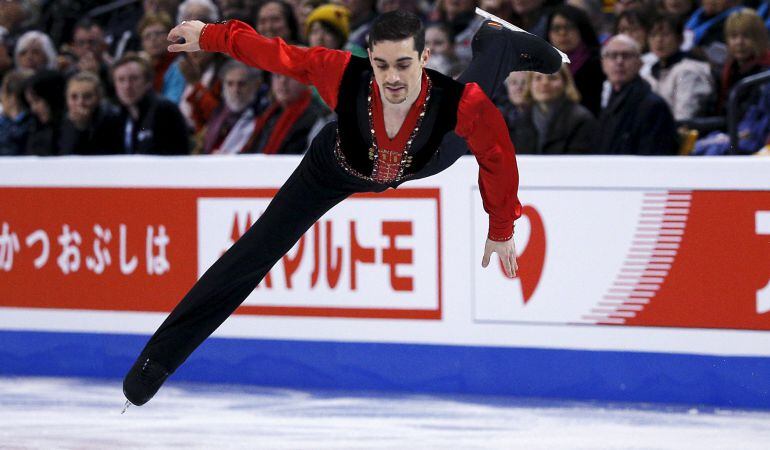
x=402, y=107
x=395, y=114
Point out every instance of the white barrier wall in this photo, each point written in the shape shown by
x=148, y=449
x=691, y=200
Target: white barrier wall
x=624, y=263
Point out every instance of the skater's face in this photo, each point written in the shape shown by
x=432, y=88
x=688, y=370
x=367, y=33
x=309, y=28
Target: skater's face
x=398, y=69
x=547, y=88
x=621, y=61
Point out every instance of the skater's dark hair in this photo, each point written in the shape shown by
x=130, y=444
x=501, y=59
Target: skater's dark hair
x=397, y=26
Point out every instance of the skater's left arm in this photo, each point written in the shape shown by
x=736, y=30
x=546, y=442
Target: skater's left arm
x=317, y=66
x=482, y=126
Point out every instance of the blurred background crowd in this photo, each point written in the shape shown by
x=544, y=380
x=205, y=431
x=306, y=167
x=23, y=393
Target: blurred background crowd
x=648, y=77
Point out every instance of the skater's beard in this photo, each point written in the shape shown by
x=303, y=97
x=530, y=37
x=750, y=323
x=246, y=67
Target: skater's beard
x=398, y=96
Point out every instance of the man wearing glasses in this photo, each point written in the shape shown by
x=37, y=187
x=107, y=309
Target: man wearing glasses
x=635, y=120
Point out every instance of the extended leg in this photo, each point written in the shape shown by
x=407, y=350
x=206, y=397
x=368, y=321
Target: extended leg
x=498, y=51
x=304, y=198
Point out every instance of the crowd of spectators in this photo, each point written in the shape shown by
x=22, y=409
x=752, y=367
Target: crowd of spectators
x=647, y=77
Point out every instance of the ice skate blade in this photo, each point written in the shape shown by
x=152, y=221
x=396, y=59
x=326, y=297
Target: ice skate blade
x=512, y=27
x=125, y=407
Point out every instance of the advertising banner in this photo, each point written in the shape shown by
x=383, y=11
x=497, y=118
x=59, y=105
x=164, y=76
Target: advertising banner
x=141, y=249
x=665, y=258
x=644, y=279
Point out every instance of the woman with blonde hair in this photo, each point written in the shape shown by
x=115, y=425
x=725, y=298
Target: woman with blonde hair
x=747, y=54
x=556, y=123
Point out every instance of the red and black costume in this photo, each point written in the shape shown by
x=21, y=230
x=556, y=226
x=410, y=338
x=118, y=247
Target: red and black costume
x=349, y=156
x=345, y=83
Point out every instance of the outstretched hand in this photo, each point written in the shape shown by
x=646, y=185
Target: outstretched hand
x=506, y=250
x=190, y=32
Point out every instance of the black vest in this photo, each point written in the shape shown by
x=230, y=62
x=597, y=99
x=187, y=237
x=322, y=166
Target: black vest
x=355, y=137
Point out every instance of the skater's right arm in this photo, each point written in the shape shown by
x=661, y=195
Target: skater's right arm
x=317, y=66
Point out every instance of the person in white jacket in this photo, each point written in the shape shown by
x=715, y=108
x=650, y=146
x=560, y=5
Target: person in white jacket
x=685, y=83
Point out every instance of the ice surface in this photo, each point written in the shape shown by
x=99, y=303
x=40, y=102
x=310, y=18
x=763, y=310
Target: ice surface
x=61, y=413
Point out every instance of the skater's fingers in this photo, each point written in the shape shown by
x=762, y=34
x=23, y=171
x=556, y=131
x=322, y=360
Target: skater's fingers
x=175, y=34
x=173, y=48
x=507, y=265
x=186, y=36
x=485, y=259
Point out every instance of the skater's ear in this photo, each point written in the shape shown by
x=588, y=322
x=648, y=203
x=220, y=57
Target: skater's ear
x=425, y=56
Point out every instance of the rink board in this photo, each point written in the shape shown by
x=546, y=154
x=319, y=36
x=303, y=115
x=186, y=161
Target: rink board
x=735, y=382
x=640, y=279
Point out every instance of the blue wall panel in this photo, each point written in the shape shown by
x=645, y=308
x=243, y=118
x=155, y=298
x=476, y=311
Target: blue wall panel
x=543, y=373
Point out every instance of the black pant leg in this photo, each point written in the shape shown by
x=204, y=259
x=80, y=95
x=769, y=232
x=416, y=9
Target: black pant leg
x=498, y=51
x=310, y=192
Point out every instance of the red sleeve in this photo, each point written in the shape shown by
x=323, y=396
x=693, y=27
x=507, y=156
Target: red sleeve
x=317, y=66
x=482, y=126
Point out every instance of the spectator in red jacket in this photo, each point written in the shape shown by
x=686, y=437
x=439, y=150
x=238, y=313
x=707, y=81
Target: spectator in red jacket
x=283, y=127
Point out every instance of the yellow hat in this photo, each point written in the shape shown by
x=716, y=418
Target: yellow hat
x=337, y=16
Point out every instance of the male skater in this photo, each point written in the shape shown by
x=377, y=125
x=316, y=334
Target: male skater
x=396, y=121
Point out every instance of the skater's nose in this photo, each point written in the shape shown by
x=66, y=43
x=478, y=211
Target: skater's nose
x=392, y=76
